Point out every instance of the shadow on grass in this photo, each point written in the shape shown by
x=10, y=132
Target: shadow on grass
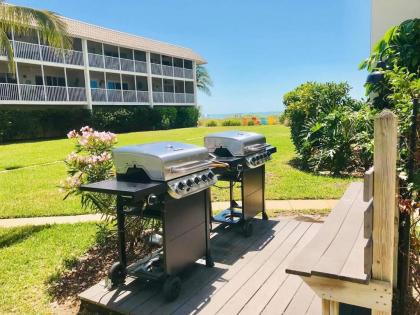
x=14, y=167
x=297, y=164
x=19, y=234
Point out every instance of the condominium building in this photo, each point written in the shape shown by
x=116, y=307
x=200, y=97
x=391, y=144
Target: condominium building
x=103, y=67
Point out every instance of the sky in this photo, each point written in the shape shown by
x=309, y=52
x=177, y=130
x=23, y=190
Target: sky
x=256, y=50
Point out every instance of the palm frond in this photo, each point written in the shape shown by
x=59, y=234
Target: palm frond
x=204, y=81
x=22, y=21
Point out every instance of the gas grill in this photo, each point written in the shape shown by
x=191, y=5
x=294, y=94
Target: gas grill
x=245, y=155
x=168, y=181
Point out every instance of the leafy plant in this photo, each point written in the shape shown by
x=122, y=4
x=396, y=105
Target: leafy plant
x=231, y=122
x=211, y=123
x=22, y=21
x=204, y=81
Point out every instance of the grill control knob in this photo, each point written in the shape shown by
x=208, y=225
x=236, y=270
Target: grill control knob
x=210, y=175
x=197, y=180
x=181, y=186
x=253, y=160
x=190, y=182
x=203, y=177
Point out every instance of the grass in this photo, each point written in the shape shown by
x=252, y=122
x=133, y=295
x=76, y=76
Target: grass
x=30, y=256
x=29, y=188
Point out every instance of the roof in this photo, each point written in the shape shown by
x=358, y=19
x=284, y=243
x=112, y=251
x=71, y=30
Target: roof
x=113, y=37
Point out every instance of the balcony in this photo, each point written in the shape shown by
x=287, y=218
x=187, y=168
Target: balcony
x=41, y=93
x=47, y=53
x=173, y=98
x=171, y=71
x=119, y=96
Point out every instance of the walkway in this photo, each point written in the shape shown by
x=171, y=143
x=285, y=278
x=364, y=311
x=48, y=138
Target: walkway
x=286, y=205
x=248, y=278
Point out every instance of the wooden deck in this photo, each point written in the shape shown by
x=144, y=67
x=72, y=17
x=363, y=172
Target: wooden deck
x=248, y=278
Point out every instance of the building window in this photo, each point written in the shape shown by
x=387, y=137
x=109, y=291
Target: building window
x=53, y=81
x=167, y=61
x=188, y=64
x=155, y=58
x=139, y=55
x=189, y=87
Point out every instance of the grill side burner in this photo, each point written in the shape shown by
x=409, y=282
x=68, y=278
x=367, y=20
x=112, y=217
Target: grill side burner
x=170, y=182
x=245, y=153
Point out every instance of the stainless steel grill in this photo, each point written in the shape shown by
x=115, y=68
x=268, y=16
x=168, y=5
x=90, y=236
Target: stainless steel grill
x=167, y=181
x=185, y=167
x=244, y=154
x=248, y=145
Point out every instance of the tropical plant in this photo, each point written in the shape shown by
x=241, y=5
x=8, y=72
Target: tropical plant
x=23, y=21
x=231, y=122
x=322, y=116
x=204, y=81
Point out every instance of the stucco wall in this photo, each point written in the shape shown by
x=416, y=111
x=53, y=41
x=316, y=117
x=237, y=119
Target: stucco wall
x=387, y=13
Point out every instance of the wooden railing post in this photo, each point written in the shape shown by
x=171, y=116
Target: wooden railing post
x=384, y=201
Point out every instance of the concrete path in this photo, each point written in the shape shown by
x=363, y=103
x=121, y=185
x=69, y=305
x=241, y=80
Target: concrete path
x=288, y=205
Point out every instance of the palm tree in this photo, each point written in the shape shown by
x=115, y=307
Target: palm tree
x=204, y=81
x=22, y=21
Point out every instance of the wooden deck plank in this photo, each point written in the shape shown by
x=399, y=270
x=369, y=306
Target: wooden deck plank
x=354, y=267
x=283, y=296
x=334, y=258
x=241, y=269
x=309, y=257
x=201, y=287
x=245, y=292
x=301, y=301
x=219, y=299
x=257, y=303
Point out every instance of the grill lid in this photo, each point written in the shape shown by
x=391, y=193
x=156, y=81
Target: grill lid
x=161, y=161
x=238, y=143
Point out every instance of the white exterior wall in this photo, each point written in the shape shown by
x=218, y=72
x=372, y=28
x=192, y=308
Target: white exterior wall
x=388, y=13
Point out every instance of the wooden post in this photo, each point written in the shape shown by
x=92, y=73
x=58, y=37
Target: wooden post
x=384, y=201
x=330, y=307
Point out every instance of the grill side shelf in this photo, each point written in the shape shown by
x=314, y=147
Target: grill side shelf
x=132, y=189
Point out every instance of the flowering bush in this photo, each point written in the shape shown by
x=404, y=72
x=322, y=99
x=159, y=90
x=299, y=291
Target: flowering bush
x=90, y=162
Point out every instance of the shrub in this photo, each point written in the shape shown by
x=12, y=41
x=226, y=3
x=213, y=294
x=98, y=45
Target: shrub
x=251, y=123
x=53, y=123
x=327, y=129
x=211, y=123
x=22, y=124
x=231, y=122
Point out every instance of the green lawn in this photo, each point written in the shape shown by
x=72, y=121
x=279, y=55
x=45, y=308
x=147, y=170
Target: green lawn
x=29, y=256
x=32, y=191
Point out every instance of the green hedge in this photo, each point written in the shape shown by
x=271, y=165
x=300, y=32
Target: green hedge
x=21, y=124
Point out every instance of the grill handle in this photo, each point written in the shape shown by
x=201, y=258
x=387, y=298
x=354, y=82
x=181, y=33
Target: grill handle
x=256, y=147
x=189, y=167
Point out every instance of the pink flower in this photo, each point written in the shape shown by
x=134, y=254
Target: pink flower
x=72, y=134
x=86, y=129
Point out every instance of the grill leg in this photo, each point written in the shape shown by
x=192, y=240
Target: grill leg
x=264, y=213
x=117, y=273
x=121, y=231
x=209, y=259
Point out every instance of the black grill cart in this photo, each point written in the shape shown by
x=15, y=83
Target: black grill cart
x=185, y=224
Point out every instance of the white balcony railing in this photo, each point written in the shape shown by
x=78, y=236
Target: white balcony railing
x=142, y=97
x=112, y=63
x=156, y=68
x=127, y=64
x=180, y=98
x=129, y=96
x=98, y=95
x=9, y=92
x=168, y=71
x=77, y=94
x=114, y=95
x=27, y=50
x=73, y=57
x=56, y=93
x=96, y=60
x=30, y=92
x=178, y=72
x=188, y=73
x=169, y=97
x=189, y=98
x=157, y=97
x=141, y=66
x=51, y=54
